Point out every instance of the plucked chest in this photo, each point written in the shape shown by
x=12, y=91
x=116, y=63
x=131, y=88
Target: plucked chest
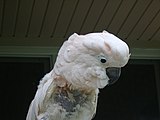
x=66, y=104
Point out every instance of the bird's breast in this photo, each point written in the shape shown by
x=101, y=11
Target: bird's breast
x=70, y=100
x=66, y=104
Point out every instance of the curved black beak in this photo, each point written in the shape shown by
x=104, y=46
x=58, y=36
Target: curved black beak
x=113, y=73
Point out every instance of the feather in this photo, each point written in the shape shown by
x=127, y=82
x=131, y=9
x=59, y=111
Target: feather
x=70, y=90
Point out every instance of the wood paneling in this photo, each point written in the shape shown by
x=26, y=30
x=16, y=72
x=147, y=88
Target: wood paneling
x=50, y=22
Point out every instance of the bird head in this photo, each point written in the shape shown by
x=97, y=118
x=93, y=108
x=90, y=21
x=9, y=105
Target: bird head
x=93, y=60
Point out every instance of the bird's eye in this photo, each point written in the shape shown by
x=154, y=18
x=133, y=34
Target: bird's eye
x=103, y=60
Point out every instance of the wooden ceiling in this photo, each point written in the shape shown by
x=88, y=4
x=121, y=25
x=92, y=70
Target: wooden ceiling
x=50, y=22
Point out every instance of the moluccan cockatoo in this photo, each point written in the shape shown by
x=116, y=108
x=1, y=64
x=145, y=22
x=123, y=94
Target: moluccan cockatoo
x=85, y=63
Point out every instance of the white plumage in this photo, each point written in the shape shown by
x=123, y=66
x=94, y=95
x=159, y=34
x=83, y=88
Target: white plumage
x=70, y=90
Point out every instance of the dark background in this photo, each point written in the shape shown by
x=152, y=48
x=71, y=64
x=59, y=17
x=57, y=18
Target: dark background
x=133, y=97
x=19, y=79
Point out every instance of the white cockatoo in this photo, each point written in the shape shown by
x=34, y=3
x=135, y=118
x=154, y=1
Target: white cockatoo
x=85, y=63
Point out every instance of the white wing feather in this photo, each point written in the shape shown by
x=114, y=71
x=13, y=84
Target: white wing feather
x=42, y=93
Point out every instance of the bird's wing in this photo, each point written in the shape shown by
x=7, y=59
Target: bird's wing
x=43, y=93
